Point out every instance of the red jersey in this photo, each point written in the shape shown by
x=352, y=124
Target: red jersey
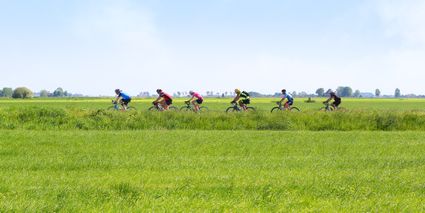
x=165, y=96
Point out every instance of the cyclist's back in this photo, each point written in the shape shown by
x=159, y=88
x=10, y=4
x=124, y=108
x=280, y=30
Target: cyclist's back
x=337, y=100
x=244, y=95
x=124, y=96
x=289, y=97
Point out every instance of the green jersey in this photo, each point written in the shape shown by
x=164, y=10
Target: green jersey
x=244, y=95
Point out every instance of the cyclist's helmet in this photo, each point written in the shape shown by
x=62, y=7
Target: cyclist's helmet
x=118, y=91
x=237, y=91
x=283, y=90
x=159, y=90
x=332, y=93
x=191, y=92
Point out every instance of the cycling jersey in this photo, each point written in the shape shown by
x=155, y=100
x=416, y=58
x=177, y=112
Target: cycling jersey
x=165, y=96
x=197, y=96
x=124, y=96
x=336, y=98
x=244, y=95
x=289, y=97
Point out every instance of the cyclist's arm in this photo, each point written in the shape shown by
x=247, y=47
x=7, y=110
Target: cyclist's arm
x=191, y=99
x=159, y=98
x=327, y=101
x=118, y=98
x=236, y=98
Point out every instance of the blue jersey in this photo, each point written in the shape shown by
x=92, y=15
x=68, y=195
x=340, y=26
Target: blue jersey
x=124, y=96
x=289, y=97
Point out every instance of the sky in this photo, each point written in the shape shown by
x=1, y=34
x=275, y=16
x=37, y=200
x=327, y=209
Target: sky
x=95, y=46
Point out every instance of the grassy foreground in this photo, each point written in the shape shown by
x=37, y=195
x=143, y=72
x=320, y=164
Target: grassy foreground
x=216, y=170
x=66, y=119
x=217, y=104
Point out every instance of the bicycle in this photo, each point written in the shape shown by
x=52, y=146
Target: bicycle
x=158, y=107
x=281, y=107
x=236, y=108
x=190, y=107
x=116, y=106
x=327, y=108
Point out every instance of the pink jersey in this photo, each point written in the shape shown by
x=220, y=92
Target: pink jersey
x=197, y=95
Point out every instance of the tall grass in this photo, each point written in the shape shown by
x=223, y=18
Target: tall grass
x=211, y=171
x=39, y=118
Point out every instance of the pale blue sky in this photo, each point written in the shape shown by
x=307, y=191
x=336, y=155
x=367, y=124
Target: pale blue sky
x=93, y=47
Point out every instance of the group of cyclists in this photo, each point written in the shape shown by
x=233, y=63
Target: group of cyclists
x=165, y=100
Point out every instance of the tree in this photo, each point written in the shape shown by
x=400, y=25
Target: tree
x=357, y=93
x=294, y=93
x=344, y=91
x=44, y=93
x=320, y=92
x=377, y=92
x=7, y=92
x=1, y=93
x=254, y=94
x=58, y=92
x=22, y=92
x=302, y=94
x=397, y=93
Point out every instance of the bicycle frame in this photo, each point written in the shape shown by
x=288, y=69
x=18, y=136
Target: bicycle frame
x=329, y=107
x=158, y=106
x=283, y=107
x=116, y=105
x=236, y=107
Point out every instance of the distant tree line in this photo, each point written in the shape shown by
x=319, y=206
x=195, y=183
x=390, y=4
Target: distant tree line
x=24, y=92
x=346, y=91
x=342, y=91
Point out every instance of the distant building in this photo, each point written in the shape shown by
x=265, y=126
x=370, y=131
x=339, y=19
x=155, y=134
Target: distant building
x=367, y=95
x=143, y=95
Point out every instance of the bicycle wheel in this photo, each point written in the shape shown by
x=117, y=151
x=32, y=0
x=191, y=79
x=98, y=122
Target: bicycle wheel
x=326, y=109
x=276, y=109
x=342, y=109
x=203, y=109
x=173, y=108
x=153, y=108
x=250, y=109
x=295, y=109
x=131, y=109
x=185, y=109
x=231, y=109
x=111, y=108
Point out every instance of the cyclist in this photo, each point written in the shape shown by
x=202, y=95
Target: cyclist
x=164, y=99
x=337, y=100
x=196, y=100
x=122, y=98
x=242, y=98
x=290, y=99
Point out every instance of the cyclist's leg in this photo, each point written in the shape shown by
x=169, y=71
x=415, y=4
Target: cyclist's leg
x=195, y=105
x=246, y=102
x=122, y=103
x=242, y=104
x=334, y=106
x=126, y=102
x=286, y=105
x=198, y=103
x=163, y=104
x=168, y=103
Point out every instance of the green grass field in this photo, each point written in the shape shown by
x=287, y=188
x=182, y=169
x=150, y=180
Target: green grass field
x=72, y=155
x=218, y=104
x=215, y=170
